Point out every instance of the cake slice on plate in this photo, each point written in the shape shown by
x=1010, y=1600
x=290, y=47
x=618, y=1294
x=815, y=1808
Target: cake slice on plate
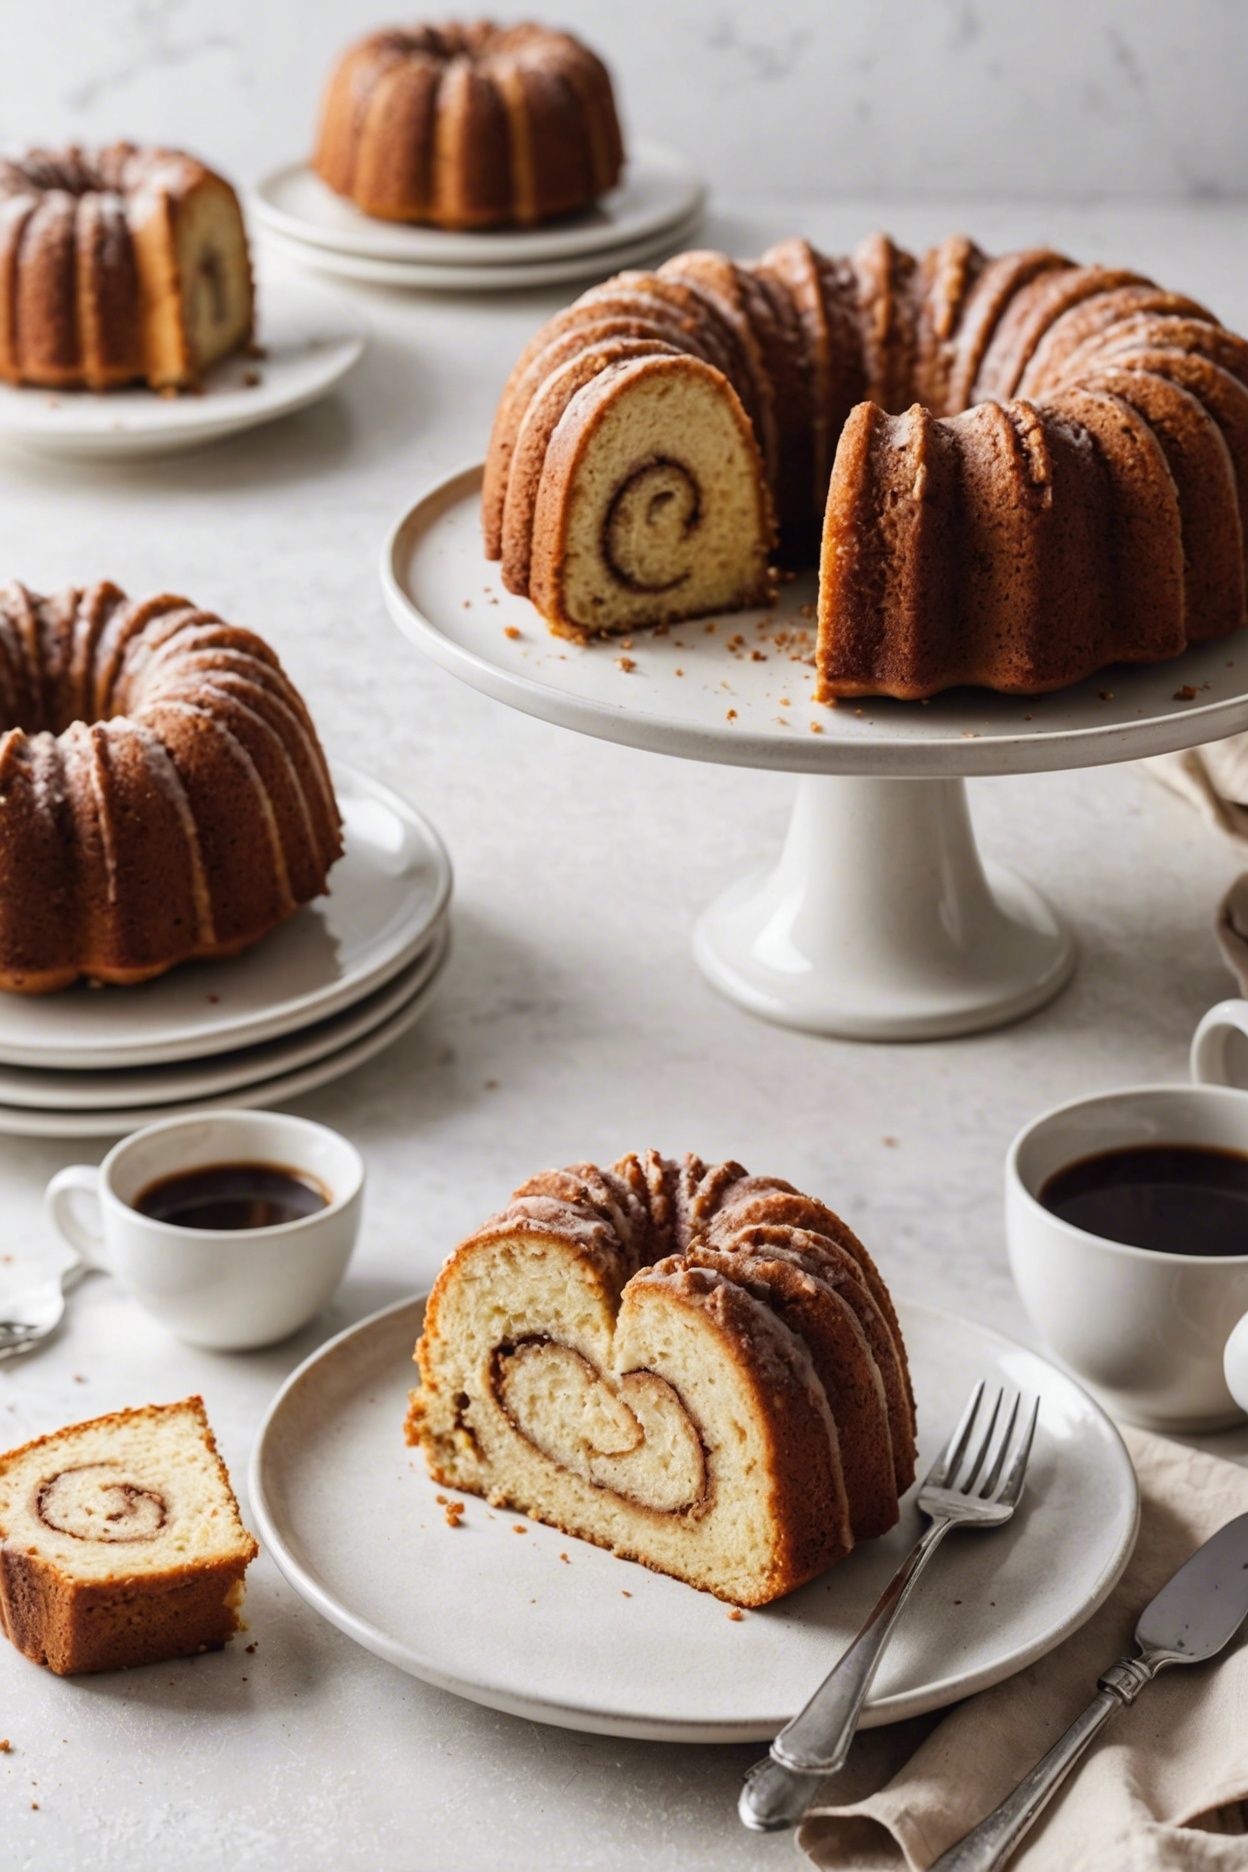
x=121, y=1542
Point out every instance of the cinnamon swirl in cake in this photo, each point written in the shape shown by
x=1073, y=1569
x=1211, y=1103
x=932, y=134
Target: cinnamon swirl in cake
x=697, y=1368
x=121, y=1542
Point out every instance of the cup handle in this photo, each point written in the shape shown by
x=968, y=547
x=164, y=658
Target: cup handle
x=71, y=1203
x=1210, y=1051
x=1235, y=1364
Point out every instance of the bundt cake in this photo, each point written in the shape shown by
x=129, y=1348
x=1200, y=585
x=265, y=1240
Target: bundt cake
x=1011, y=472
x=118, y=265
x=469, y=126
x=163, y=794
x=121, y=1542
x=699, y=1369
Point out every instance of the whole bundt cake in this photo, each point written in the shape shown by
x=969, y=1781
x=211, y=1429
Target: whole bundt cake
x=1011, y=472
x=117, y=265
x=469, y=126
x=699, y=1369
x=163, y=794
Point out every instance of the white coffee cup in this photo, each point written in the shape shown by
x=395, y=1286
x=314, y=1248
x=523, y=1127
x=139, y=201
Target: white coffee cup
x=1162, y=1339
x=228, y=1289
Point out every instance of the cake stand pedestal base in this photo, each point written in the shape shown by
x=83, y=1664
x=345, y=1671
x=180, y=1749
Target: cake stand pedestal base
x=881, y=922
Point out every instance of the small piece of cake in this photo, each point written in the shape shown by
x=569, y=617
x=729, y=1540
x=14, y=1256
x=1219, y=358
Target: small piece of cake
x=121, y=1542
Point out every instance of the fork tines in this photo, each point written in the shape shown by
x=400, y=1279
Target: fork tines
x=973, y=1461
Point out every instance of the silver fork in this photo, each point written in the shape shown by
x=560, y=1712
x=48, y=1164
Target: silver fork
x=40, y=1309
x=970, y=1484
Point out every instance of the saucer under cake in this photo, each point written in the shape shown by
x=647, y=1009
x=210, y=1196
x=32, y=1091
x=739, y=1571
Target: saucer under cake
x=289, y=1071
x=310, y=338
x=388, y=896
x=556, y=1630
x=659, y=190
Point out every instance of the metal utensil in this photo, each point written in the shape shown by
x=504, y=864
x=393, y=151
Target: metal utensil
x=35, y=1314
x=971, y=1484
x=1192, y=1618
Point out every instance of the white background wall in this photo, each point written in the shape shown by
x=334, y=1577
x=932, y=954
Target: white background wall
x=1055, y=97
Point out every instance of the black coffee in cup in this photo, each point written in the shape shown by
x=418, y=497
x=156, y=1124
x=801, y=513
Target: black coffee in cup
x=233, y=1196
x=1171, y=1198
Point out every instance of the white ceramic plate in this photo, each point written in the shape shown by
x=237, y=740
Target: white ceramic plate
x=388, y=893
x=514, y=277
x=690, y=693
x=19, y=1121
x=659, y=189
x=351, y=1518
x=310, y=337
x=175, y=1084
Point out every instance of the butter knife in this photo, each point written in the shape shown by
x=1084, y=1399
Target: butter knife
x=1192, y=1618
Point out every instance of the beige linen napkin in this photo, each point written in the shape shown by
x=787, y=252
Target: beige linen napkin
x=1214, y=779
x=1161, y=1787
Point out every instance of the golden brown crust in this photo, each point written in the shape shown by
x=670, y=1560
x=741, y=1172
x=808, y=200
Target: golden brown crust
x=469, y=126
x=165, y=792
x=92, y=291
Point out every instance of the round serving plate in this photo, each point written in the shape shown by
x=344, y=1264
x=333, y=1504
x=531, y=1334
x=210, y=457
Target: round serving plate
x=878, y=919
x=659, y=190
x=175, y=1084
x=516, y=276
x=24, y=1121
x=310, y=339
x=353, y=1521
x=698, y=691
x=388, y=893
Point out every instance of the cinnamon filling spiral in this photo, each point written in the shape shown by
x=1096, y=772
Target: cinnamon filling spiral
x=649, y=521
x=93, y=1502
x=630, y=1435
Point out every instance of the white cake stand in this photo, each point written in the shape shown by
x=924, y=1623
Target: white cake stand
x=879, y=920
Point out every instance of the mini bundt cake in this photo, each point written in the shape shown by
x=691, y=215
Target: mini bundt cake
x=163, y=794
x=1012, y=472
x=469, y=126
x=699, y=1369
x=118, y=265
x=121, y=1542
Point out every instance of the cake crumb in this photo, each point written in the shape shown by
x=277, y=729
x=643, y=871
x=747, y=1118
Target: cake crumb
x=520, y=1528
x=711, y=628
x=1106, y=695
x=784, y=702
x=251, y=1648
x=6, y=1747
x=816, y=727
x=626, y=664
x=441, y=1500
x=491, y=1085
x=731, y=715
x=680, y=672
x=736, y=1615
x=890, y=1143
x=625, y=1592
x=79, y=1378
x=512, y=631
x=454, y=1513
x=250, y=379
x=1185, y=694
x=564, y=1558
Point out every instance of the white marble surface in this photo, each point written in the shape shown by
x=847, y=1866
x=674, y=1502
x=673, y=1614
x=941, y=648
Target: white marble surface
x=573, y=1024
x=1130, y=97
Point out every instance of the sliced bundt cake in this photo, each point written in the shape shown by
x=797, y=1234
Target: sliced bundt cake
x=699, y=1369
x=117, y=265
x=1011, y=472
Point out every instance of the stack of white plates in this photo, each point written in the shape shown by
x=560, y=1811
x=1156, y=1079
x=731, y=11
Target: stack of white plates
x=653, y=212
x=330, y=989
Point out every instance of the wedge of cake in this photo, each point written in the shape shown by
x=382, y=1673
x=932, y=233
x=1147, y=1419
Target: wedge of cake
x=121, y=1542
